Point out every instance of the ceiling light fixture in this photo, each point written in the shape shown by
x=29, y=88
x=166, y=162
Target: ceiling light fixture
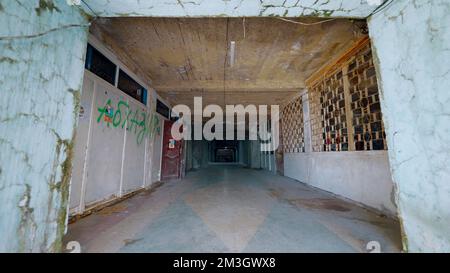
x=232, y=52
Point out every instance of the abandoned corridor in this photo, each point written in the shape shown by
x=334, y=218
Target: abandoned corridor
x=220, y=194
x=88, y=88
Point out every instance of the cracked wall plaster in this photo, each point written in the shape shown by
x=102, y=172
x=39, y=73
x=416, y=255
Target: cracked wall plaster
x=412, y=42
x=42, y=45
x=231, y=8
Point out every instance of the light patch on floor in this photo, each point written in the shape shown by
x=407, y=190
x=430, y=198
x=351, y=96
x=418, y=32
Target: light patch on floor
x=232, y=209
x=234, y=212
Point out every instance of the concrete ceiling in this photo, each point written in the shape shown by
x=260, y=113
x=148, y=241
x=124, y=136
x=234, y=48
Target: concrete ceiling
x=187, y=57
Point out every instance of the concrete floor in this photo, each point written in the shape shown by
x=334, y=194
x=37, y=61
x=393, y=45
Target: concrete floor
x=233, y=209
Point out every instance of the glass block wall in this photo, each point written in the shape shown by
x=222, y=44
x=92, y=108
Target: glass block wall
x=292, y=127
x=331, y=125
x=368, y=128
x=345, y=105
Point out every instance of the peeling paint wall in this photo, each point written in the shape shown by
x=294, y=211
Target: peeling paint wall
x=231, y=8
x=412, y=42
x=42, y=45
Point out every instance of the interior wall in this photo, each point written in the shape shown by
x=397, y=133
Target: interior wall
x=268, y=161
x=188, y=154
x=363, y=177
x=411, y=41
x=113, y=156
x=243, y=153
x=254, y=154
x=155, y=149
x=41, y=66
x=110, y=160
x=333, y=140
x=200, y=154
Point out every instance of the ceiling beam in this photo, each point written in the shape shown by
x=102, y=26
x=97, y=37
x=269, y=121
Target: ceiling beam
x=230, y=85
x=231, y=8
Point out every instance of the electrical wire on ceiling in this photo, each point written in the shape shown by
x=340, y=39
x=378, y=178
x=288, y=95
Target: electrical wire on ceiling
x=376, y=11
x=93, y=12
x=360, y=28
x=305, y=24
x=381, y=8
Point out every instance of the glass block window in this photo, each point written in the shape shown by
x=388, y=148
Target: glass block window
x=316, y=118
x=292, y=128
x=345, y=105
x=367, y=121
x=332, y=113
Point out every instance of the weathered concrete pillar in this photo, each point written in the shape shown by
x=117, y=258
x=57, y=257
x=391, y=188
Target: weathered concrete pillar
x=411, y=41
x=306, y=122
x=42, y=45
x=255, y=154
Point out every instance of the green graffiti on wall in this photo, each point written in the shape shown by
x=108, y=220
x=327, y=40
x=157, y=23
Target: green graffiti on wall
x=138, y=122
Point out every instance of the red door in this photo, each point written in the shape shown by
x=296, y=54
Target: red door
x=172, y=154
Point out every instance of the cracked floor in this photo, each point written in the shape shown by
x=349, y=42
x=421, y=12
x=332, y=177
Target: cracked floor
x=233, y=209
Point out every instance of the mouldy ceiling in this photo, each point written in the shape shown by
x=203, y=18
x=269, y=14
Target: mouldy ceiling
x=185, y=57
